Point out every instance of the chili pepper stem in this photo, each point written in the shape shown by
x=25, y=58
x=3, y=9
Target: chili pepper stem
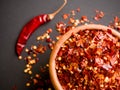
x=52, y=15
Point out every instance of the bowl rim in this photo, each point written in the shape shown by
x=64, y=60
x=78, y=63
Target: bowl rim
x=52, y=70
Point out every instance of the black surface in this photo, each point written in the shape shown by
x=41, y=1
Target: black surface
x=14, y=14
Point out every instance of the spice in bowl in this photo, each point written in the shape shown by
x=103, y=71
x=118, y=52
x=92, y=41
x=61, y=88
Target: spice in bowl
x=86, y=57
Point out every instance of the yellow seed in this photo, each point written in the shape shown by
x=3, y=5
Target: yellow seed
x=20, y=57
x=64, y=67
x=76, y=86
x=45, y=34
x=47, y=65
x=30, y=72
x=95, y=68
x=90, y=68
x=71, y=72
x=38, y=38
x=86, y=24
x=116, y=23
x=58, y=37
x=25, y=71
x=118, y=44
x=69, y=84
x=32, y=62
x=49, y=89
x=34, y=55
x=105, y=58
x=116, y=62
x=86, y=62
x=76, y=22
x=37, y=75
x=26, y=50
x=48, y=36
x=42, y=37
x=59, y=71
x=34, y=47
x=70, y=40
x=106, y=79
x=27, y=65
x=66, y=42
x=112, y=71
x=59, y=58
x=101, y=85
x=27, y=84
x=29, y=57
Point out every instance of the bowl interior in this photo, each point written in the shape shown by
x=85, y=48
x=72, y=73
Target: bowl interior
x=52, y=70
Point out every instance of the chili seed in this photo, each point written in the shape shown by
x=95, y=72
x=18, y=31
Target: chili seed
x=106, y=79
x=49, y=31
x=27, y=84
x=20, y=57
x=30, y=72
x=65, y=16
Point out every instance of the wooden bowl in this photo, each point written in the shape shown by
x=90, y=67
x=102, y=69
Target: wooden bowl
x=52, y=70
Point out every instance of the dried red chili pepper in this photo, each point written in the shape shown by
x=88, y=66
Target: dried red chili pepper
x=31, y=26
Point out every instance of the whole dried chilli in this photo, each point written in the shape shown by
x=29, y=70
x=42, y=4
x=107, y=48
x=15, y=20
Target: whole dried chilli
x=31, y=26
x=28, y=29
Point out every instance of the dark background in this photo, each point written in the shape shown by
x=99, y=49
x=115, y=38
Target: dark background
x=14, y=14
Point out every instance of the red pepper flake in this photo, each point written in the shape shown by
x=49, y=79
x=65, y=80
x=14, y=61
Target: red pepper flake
x=109, y=31
x=48, y=40
x=84, y=19
x=60, y=26
x=117, y=22
x=99, y=15
x=73, y=12
x=41, y=49
x=78, y=9
x=51, y=46
x=65, y=16
x=116, y=19
x=49, y=31
x=72, y=20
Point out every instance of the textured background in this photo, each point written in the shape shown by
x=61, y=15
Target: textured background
x=15, y=13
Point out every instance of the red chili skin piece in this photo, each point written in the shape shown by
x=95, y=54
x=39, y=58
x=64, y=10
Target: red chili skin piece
x=28, y=29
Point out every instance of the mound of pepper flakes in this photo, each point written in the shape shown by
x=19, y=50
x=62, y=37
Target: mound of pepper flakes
x=89, y=59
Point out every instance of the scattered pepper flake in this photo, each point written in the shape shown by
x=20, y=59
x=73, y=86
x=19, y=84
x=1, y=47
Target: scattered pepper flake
x=65, y=16
x=73, y=12
x=98, y=15
x=78, y=9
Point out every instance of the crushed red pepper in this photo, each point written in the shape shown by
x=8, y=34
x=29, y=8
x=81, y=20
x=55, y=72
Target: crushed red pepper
x=90, y=60
x=115, y=23
x=40, y=82
x=65, y=16
x=98, y=15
